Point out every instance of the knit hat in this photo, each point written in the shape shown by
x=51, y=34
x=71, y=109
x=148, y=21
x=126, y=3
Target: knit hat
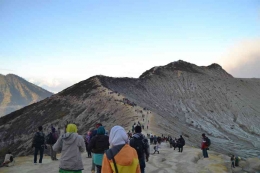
x=117, y=136
x=71, y=128
x=101, y=130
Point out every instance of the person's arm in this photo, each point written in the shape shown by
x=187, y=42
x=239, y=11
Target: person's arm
x=106, y=165
x=92, y=143
x=58, y=145
x=81, y=144
x=33, y=141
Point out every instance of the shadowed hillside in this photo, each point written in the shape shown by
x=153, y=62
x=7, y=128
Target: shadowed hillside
x=181, y=98
x=15, y=93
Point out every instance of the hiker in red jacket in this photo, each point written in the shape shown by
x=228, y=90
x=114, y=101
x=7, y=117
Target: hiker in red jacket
x=204, y=146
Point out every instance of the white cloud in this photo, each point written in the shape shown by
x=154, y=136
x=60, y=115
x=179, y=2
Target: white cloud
x=243, y=59
x=52, y=84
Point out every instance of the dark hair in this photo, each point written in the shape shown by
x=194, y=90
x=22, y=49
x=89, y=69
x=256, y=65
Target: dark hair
x=203, y=134
x=9, y=152
x=98, y=124
x=40, y=128
x=138, y=129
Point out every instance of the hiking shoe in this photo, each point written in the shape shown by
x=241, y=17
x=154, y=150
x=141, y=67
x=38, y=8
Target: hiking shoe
x=93, y=171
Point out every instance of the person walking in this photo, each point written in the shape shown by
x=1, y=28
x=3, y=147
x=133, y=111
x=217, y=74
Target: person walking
x=71, y=145
x=93, y=134
x=140, y=144
x=52, y=137
x=232, y=161
x=120, y=158
x=181, y=143
x=204, y=145
x=98, y=145
x=156, y=148
x=87, y=141
x=38, y=144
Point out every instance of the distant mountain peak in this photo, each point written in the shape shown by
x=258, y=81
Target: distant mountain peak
x=184, y=66
x=16, y=92
x=214, y=66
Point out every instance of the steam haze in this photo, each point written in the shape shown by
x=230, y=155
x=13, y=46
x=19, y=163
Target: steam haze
x=243, y=59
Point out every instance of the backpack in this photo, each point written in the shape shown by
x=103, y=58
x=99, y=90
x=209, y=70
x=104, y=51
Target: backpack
x=49, y=139
x=39, y=139
x=139, y=145
x=208, y=142
x=11, y=159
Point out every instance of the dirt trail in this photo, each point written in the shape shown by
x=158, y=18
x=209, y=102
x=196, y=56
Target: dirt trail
x=168, y=161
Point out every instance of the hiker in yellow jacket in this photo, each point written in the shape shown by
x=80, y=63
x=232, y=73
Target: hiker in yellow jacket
x=121, y=158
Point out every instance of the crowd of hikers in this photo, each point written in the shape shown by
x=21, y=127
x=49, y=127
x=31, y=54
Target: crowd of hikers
x=114, y=152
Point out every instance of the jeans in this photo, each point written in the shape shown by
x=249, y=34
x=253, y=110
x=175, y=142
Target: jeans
x=181, y=149
x=205, y=153
x=142, y=164
x=41, y=149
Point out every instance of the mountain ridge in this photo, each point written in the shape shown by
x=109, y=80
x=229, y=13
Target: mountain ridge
x=180, y=102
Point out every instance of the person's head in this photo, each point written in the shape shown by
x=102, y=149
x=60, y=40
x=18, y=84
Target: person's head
x=203, y=135
x=98, y=125
x=180, y=136
x=138, y=129
x=53, y=129
x=9, y=152
x=101, y=130
x=117, y=136
x=40, y=128
x=71, y=128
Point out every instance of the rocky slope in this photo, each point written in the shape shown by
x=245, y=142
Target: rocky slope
x=15, y=93
x=180, y=98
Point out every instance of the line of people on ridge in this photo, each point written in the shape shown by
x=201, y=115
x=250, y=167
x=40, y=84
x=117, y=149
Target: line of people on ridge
x=124, y=155
x=131, y=151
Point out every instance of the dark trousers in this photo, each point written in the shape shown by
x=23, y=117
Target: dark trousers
x=88, y=150
x=180, y=148
x=233, y=164
x=205, y=153
x=142, y=164
x=41, y=149
x=99, y=168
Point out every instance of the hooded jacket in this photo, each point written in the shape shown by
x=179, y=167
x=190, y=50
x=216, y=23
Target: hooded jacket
x=126, y=157
x=70, y=145
x=99, y=143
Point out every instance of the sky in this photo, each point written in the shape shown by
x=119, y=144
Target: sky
x=57, y=43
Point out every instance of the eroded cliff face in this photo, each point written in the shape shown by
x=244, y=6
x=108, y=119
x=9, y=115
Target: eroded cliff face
x=182, y=98
x=192, y=100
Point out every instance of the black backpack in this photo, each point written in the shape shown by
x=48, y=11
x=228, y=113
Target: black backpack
x=11, y=159
x=39, y=139
x=49, y=139
x=139, y=145
x=208, y=142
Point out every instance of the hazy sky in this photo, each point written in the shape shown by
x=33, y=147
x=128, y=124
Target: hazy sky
x=56, y=43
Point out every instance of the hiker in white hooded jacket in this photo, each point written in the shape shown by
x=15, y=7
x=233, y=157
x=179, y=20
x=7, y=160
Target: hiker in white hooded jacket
x=71, y=145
